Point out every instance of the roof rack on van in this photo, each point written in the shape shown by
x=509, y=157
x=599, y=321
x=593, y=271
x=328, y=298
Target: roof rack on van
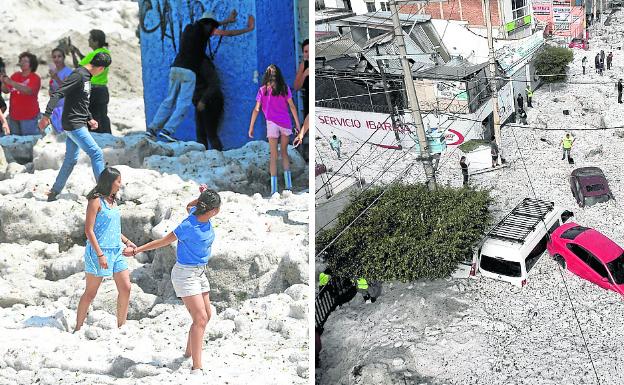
x=521, y=221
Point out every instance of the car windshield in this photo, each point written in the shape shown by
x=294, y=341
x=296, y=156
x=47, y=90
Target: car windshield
x=616, y=267
x=594, y=187
x=590, y=201
x=573, y=232
x=500, y=266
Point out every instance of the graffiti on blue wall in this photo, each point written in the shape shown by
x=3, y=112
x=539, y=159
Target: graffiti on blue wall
x=240, y=60
x=155, y=15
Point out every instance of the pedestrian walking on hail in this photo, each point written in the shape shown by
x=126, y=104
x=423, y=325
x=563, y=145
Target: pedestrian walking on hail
x=529, y=92
x=523, y=117
x=619, y=91
x=567, y=142
x=609, y=60
x=335, y=144
x=76, y=89
x=275, y=99
x=494, y=152
x=597, y=62
x=189, y=275
x=584, y=63
x=463, y=163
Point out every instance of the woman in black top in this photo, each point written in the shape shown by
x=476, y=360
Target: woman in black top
x=301, y=80
x=464, y=168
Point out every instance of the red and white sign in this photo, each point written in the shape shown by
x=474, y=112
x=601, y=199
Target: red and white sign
x=360, y=125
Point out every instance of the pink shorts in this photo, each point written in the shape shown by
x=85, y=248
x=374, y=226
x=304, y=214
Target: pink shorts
x=274, y=131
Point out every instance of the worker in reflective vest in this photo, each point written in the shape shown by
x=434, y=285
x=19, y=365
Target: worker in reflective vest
x=362, y=287
x=324, y=279
x=529, y=92
x=567, y=142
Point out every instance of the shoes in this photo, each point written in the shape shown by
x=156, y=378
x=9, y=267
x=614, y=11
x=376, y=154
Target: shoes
x=166, y=136
x=197, y=372
x=151, y=133
x=52, y=195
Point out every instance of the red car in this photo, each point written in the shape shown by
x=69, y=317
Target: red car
x=579, y=43
x=588, y=254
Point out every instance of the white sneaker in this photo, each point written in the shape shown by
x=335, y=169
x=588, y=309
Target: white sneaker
x=197, y=372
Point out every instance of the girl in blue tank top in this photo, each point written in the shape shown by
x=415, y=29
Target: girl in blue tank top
x=105, y=245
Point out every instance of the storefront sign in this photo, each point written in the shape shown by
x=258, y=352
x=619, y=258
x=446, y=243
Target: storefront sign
x=377, y=128
x=451, y=90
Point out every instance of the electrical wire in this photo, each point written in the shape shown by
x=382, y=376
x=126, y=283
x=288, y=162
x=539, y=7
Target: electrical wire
x=578, y=322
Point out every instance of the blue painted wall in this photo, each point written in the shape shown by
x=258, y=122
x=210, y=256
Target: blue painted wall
x=240, y=61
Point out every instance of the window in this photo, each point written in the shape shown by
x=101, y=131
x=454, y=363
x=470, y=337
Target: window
x=370, y=7
x=519, y=8
x=500, y=266
x=595, y=187
x=537, y=252
x=384, y=6
x=589, y=259
x=554, y=227
x=319, y=4
x=347, y=4
x=573, y=232
x=617, y=269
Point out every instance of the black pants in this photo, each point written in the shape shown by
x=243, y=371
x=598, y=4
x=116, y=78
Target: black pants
x=98, y=105
x=465, y=178
x=583, y=70
x=207, y=124
x=619, y=97
x=529, y=102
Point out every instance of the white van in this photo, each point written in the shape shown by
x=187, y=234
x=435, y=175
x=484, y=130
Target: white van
x=515, y=244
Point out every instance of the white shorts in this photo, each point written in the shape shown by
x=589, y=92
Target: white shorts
x=274, y=131
x=189, y=280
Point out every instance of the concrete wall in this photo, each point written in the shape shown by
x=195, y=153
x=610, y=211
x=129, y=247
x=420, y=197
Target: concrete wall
x=240, y=61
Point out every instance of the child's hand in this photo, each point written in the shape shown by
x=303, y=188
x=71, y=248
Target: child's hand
x=298, y=140
x=103, y=262
x=251, y=130
x=203, y=187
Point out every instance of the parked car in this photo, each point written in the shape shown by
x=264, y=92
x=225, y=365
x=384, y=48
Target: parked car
x=588, y=254
x=589, y=186
x=580, y=43
x=511, y=249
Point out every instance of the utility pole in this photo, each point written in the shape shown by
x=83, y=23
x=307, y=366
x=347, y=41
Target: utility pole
x=494, y=81
x=390, y=107
x=412, y=98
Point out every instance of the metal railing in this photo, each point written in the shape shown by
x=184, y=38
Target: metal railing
x=335, y=293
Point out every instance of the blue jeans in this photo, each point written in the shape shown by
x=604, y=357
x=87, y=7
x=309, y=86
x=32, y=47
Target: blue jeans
x=23, y=127
x=79, y=139
x=173, y=109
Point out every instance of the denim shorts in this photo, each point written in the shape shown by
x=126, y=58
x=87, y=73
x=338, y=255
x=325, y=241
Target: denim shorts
x=116, y=261
x=189, y=280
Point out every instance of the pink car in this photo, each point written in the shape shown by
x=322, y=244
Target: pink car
x=588, y=254
x=579, y=43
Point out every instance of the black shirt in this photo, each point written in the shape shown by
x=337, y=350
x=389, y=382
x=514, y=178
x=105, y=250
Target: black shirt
x=76, y=89
x=304, y=90
x=464, y=167
x=207, y=84
x=193, y=42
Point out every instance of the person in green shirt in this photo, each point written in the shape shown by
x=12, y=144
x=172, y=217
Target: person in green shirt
x=98, y=103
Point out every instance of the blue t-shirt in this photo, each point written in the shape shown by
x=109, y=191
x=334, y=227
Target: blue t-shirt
x=194, y=240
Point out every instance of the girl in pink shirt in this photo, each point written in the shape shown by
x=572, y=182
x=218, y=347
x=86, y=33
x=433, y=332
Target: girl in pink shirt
x=275, y=98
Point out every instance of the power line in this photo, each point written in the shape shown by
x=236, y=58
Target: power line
x=578, y=322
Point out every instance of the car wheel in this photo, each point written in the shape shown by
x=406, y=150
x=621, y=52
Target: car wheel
x=559, y=259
